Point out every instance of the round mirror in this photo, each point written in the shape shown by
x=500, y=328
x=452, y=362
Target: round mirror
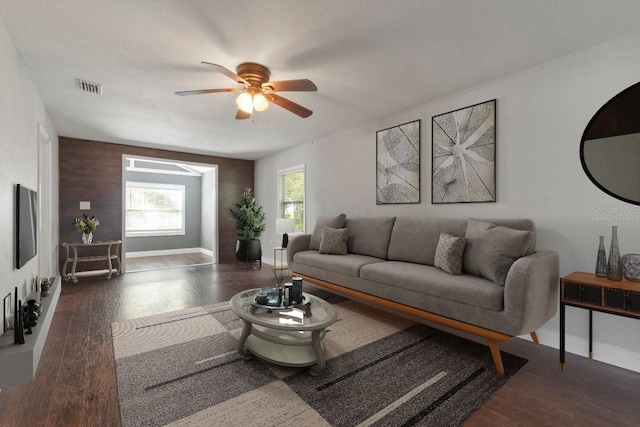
x=610, y=147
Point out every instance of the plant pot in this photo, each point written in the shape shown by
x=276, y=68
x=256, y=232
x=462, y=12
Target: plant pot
x=248, y=251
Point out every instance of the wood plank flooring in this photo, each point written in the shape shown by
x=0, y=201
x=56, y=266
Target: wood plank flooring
x=75, y=384
x=165, y=261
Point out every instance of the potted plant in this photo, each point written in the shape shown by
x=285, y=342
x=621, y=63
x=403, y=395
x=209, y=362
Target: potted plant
x=86, y=224
x=250, y=223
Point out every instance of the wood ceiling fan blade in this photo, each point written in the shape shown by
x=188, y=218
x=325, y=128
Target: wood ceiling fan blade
x=242, y=115
x=227, y=72
x=300, y=85
x=289, y=105
x=202, y=91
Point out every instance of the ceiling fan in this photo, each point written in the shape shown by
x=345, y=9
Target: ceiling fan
x=258, y=91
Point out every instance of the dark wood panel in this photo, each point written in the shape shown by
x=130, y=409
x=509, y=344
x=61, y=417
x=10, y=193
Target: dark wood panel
x=78, y=357
x=96, y=176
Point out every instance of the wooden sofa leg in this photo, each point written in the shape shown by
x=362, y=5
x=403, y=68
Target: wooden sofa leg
x=534, y=337
x=497, y=358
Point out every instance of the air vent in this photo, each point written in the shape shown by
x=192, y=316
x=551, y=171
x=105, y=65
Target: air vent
x=89, y=87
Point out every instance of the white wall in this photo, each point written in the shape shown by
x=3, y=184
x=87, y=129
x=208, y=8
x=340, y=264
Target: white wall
x=541, y=115
x=21, y=111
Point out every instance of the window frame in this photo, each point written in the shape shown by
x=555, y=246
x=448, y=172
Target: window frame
x=298, y=168
x=157, y=233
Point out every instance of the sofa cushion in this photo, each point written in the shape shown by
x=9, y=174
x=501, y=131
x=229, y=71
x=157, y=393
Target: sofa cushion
x=432, y=281
x=449, y=253
x=491, y=249
x=334, y=241
x=415, y=239
x=369, y=236
x=349, y=264
x=336, y=221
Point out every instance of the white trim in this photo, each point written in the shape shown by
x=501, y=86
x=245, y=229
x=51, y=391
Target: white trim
x=47, y=248
x=163, y=252
x=189, y=169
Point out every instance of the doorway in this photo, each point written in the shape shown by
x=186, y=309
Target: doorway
x=169, y=213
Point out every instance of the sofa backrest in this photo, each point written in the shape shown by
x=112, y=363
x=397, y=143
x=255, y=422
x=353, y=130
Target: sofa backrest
x=415, y=239
x=369, y=236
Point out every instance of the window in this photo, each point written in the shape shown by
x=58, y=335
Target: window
x=291, y=195
x=154, y=209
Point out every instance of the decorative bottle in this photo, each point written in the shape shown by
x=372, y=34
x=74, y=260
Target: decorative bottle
x=614, y=269
x=601, y=262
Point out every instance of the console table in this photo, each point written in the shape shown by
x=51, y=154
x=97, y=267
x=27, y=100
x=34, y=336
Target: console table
x=111, y=255
x=593, y=293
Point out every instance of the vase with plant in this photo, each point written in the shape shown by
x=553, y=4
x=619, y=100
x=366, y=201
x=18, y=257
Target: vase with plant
x=250, y=221
x=86, y=224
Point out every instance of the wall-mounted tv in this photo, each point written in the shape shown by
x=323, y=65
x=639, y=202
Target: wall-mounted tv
x=26, y=225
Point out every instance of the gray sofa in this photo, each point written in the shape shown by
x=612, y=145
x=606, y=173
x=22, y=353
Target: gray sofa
x=506, y=288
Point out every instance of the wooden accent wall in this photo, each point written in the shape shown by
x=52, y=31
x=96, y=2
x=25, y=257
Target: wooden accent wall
x=92, y=171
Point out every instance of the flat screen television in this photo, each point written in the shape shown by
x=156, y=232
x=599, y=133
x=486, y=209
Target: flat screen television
x=26, y=225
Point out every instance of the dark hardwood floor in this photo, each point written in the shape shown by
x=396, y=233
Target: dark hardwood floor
x=75, y=384
x=165, y=261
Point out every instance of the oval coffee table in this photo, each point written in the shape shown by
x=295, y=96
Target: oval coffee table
x=286, y=337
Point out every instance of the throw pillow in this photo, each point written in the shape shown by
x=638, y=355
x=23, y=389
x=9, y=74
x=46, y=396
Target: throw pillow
x=449, y=253
x=491, y=249
x=334, y=241
x=336, y=221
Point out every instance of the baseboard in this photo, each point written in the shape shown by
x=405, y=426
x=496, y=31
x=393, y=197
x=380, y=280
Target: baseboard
x=266, y=260
x=606, y=353
x=180, y=251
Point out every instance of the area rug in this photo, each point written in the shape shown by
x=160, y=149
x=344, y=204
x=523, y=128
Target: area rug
x=183, y=369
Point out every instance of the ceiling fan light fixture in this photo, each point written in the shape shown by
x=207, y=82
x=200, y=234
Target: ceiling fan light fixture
x=260, y=102
x=244, y=102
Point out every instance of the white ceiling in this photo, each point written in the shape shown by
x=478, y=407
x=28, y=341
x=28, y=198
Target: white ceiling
x=368, y=58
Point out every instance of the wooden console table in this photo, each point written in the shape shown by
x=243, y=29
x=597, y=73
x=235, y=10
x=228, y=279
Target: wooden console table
x=112, y=256
x=593, y=293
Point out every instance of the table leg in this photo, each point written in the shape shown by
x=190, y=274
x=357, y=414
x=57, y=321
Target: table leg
x=562, y=319
x=246, y=331
x=318, y=348
x=590, y=334
x=73, y=266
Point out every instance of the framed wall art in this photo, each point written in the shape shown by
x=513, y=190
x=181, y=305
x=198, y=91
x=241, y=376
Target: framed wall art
x=398, y=164
x=463, y=164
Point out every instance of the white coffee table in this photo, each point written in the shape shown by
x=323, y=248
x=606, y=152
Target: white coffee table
x=286, y=337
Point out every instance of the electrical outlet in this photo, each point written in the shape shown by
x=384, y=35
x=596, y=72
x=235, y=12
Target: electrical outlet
x=85, y=206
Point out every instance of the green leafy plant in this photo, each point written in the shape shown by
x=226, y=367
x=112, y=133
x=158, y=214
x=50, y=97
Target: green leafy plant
x=86, y=223
x=250, y=219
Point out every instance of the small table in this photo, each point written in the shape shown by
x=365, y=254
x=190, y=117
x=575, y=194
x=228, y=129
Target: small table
x=279, y=270
x=112, y=256
x=593, y=293
x=285, y=337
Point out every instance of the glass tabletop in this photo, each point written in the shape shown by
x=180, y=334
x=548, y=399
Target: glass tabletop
x=322, y=313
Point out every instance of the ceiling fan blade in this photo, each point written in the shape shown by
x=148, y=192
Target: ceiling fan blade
x=301, y=85
x=242, y=115
x=202, y=91
x=236, y=78
x=289, y=105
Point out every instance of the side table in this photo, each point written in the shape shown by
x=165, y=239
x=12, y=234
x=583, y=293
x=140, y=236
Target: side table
x=280, y=269
x=593, y=293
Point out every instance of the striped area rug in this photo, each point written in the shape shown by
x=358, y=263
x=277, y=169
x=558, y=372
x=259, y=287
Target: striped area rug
x=182, y=369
